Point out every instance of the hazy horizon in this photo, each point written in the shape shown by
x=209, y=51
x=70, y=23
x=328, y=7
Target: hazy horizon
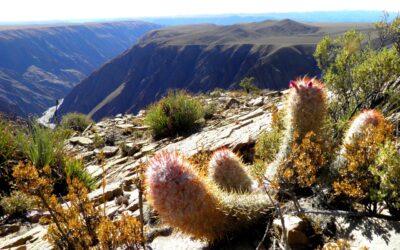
x=25, y=11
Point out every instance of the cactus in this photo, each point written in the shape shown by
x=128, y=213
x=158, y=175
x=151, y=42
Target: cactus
x=356, y=131
x=195, y=205
x=227, y=170
x=358, y=125
x=306, y=109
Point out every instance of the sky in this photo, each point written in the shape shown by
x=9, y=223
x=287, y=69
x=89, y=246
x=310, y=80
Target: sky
x=51, y=10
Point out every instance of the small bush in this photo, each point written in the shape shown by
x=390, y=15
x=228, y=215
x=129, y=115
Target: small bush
x=247, y=84
x=98, y=141
x=81, y=224
x=17, y=203
x=75, y=121
x=217, y=92
x=268, y=143
x=43, y=146
x=305, y=161
x=177, y=113
x=210, y=110
x=8, y=147
x=387, y=170
x=75, y=169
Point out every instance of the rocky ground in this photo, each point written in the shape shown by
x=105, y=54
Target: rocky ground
x=236, y=124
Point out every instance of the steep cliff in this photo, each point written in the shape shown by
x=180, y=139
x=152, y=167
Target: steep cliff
x=39, y=64
x=200, y=58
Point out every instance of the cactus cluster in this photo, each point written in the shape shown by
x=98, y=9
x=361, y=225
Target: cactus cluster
x=210, y=207
x=207, y=208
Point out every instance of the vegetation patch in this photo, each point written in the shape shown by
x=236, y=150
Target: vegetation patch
x=176, y=114
x=75, y=121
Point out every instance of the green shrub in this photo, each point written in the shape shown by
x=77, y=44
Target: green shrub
x=355, y=74
x=247, y=84
x=217, y=92
x=267, y=146
x=17, y=203
x=387, y=171
x=98, y=141
x=75, y=121
x=177, y=113
x=75, y=169
x=8, y=147
x=43, y=146
x=210, y=110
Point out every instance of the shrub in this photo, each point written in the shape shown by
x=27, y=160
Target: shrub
x=387, y=171
x=355, y=74
x=247, y=84
x=8, y=147
x=177, y=113
x=43, y=146
x=75, y=121
x=306, y=159
x=210, y=110
x=267, y=145
x=80, y=225
x=75, y=169
x=98, y=141
x=17, y=203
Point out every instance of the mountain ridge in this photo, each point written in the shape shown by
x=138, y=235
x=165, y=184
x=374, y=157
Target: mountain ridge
x=200, y=58
x=42, y=63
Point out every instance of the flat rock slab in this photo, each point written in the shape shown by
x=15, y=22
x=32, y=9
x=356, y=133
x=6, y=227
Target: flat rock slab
x=110, y=192
x=31, y=236
x=80, y=140
x=372, y=233
x=245, y=130
x=108, y=151
x=177, y=242
x=124, y=126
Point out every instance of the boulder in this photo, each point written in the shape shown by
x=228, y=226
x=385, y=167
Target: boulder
x=295, y=230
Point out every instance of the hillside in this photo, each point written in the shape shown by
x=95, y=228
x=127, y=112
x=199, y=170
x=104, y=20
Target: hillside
x=40, y=64
x=237, y=124
x=201, y=58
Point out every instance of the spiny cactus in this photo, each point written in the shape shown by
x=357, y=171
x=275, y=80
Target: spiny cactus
x=195, y=205
x=359, y=124
x=305, y=112
x=226, y=169
x=356, y=131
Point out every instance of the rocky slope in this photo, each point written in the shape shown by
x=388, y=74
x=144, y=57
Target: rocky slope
x=40, y=64
x=237, y=123
x=201, y=58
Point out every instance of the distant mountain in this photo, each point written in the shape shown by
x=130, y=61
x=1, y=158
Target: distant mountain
x=200, y=58
x=314, y=16
x=41, y=63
